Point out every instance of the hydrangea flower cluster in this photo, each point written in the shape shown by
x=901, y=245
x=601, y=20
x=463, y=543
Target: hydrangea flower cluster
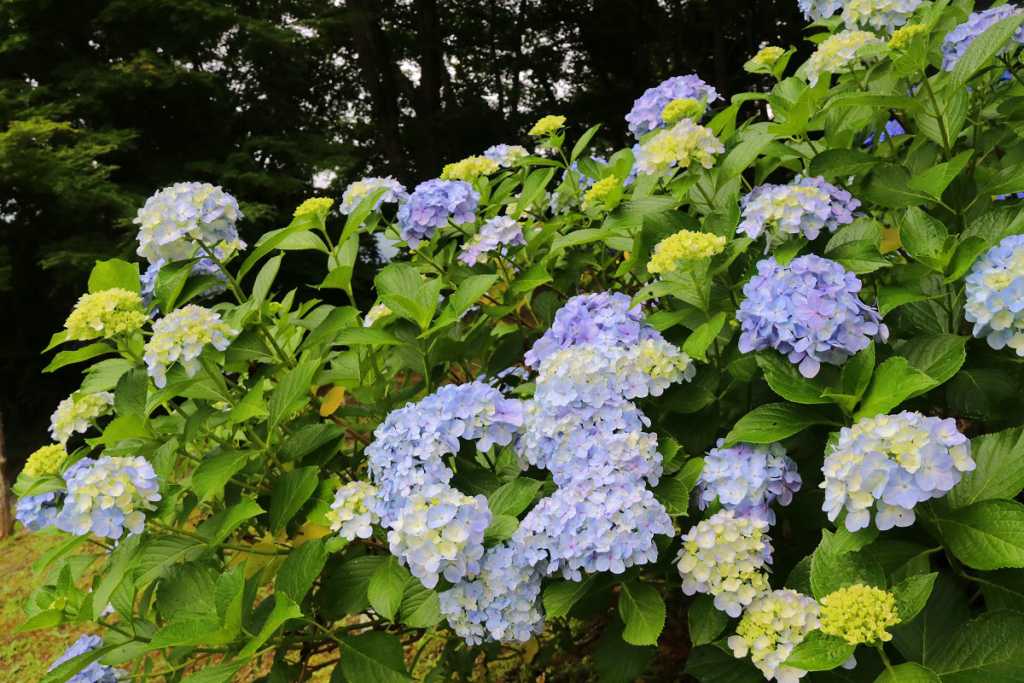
x=995, y=295
x=378, y=311
x=896, y=462
x=836, y=52
x=677, y=110
x=809, y=311
x=176, y=218
x=547, y=126
x=772, y=625
x=880, y=15
x=440, y=531
x=180, y=337
x=506, y=155
x=432, y=204
x=500, y=231
x=680, y=145
x=904, y=36
x=470, y=169
x=501, y=604
x=566, y=197
x=361, y=189
x=46, y=460
x=74, y=416
x=766, y=57
x=748, y=478
x=105, y=314
x=726, y=556
x=960, y=38
x=805, y=207
x=684, y=249
x=859, y=614
x=204, y=266
x=108, y=496
x=816, y=10
x=351, y=513
x=95, y=672
x=601, y=190
x=647, y=112
x=319, y=205
x=39, y=511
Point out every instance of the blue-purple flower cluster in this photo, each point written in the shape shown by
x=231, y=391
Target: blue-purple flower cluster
x=646, y=114
x=108, y=496
x=805, y=207
x=890, y=463
x=432, y=204
x=995, y=295
x=95, y=672
x=960, y=38
x=40, y=511
x=501, y=604
x=748, y=478
x=500, y=231
x=809, y=311
x=892, y=129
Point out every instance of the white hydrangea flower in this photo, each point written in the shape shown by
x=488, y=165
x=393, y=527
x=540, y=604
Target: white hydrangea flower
x=351, y=512
x=180, y=337
x=74, y=416
x=772, y=625
x=837, y=52
x=178, y=219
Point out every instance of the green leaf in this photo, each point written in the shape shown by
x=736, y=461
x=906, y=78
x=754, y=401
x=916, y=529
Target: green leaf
x=924, y=238
x=344, y=591
x=514, y=497
x=841, y=163
x=887, y=186
x=643, y=612
x=696, y=345
x=387, y=586
x=265, y=279
x=47, y=619
x=187, y=592
x=131, y=392
x=500, y=529
x=928, y=635
x=284, y=609
x=785, y=379
x=986, y=650
x=269, y=241
x=820, y=652
x=535, y=276
x=213, y=473
x=1008, y=181
x=223, y=672
x=78, y=355
x=421, y=607
x=983, y=48
x=936, y=179
x=674, y=492
x=910, y=672
x=774, y=422
x=376, y=657
x=617, y=661
x=911, y=595
x=291, y=492
x=705, y=621
x=988, y=534
x=837, y=564
x=560, y=597
x=292, y=392
x=223, y=523
x=470, y=290
x=300, y=568
x=999, y=472
x=966, y=254
x=65, y=670
x=582, y=143
x=114, y=274
x=894, y=382
x=709, y=664
x=366, y=336
x=891, y=298
x=938, y=356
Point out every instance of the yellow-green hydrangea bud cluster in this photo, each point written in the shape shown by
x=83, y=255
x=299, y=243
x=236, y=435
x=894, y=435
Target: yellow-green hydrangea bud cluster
x=905, y=35
x=378, y=311
x=682, y=248
x=47, y=460
x=836, y=52
x=859, y=614
x=772, y=625
x=76, y=416
x=680, y=145
x=677, y=110
x=314, y=205
x=767, y=56
x=470, y=169
x=105, y=314
x=547, y=126
x=600, y=190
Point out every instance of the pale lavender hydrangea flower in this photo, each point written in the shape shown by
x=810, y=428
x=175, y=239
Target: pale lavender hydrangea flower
x=995, y=295
x=805, y=207
x=95, y=672
x=351, y=514
x=748, y=478
x=889, y=464
x=500, y=231
x=646, y=114
x=880, y=15
x=108, y=496
x=960, y=38
x=361, y=189
x=37, y=512
x=506, y=155
x=808, y=311
x=180, y=337
x=177, y=220
x=432, y=204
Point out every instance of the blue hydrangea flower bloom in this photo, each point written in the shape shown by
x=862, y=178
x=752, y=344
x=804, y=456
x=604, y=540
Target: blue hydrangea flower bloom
x=995, y=295
x=175, y=220
x=748, y=478
x=501, y=604
x=805, y=207
x=37, y=512
x=816, y=10
x=500, y=231
x=95, y=672
x=646, y=114
x=880, y=15
x=892, y=129
x=889, y=464
x=361, y=189
x=1015, y=195
x=960, y=38
x=809, y=311
x=506, y=155
x=432, y=204
x=108, y=496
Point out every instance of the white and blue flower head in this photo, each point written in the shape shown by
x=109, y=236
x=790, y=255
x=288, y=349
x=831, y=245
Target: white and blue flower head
x=804, y=207
x=94, y=672
x=995, y=295
x=108, y=496
x=748, y=478
x=960, y=38
x=178, y=220
x=646, y=114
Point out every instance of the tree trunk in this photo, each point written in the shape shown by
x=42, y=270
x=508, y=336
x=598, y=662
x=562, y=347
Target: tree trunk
x=6, y=518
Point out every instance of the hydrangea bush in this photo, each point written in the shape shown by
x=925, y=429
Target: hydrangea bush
x=737, y=402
